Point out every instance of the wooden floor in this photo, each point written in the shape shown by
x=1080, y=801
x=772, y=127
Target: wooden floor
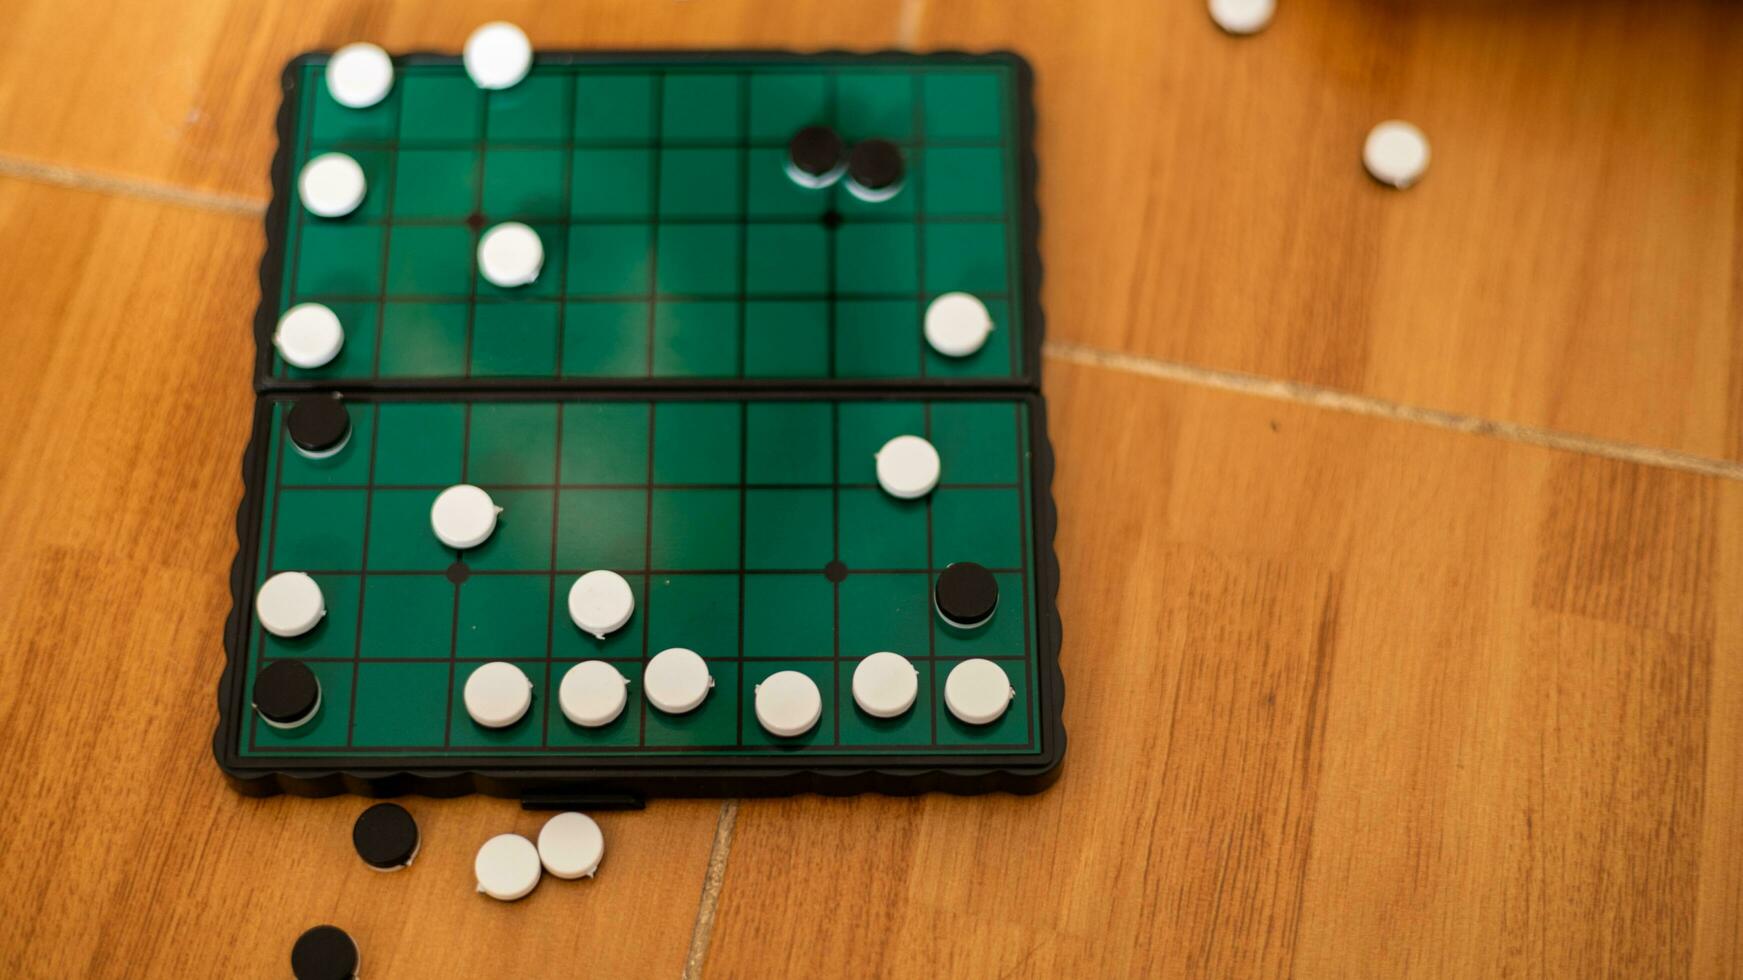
x=1402, y=533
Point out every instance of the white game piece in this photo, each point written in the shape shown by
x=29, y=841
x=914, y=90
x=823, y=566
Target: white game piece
x=1396, y=153
x=600, y=602
x=593, y=694
x=498, y=55
x=571, y=846
x=331, y=185
x=498, y=694
x=885, y=685
x=676, y=680
x=511, y=254
x=977, y=692
x=957, y=324
x=908, y=467
x=1242, y=16
x=507, y=867
x=788, y=703
x=359, y=75
x=289, y=604
x=463, y=516
x=308, y=335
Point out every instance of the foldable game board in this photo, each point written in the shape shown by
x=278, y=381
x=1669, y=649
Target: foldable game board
x=690, y=395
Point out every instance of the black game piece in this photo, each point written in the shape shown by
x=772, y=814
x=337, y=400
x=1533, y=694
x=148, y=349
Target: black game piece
x=324, y=953
x=966, y=595
x=318, y=423
x=815, y=154
x=386, y=837
x=876, y=166
x=286, y=692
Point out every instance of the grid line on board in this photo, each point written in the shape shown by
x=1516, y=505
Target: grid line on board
x=677, y=219
x=645, y=295
x=740, y=661
x=551, y=612
x=1031, y=696
x=638, y=486
x=893, y=750
x=454, y=625
x=657, y=109
x=835, y=555
x=613, y=660
x=744, y=72
x=743, y=475
x=276, y=439
x=486, y=572
x=363, y=574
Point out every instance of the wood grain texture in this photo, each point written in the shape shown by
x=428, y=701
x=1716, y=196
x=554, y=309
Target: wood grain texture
x=124, y=404
x=1571, y=260
x=1345, y=697
x=188, y=89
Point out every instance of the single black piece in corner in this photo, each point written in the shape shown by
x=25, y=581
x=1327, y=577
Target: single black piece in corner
x=385, y=836
x=324, y=953
x=816, y=153
x=286, y=692
x=318, y=423
x=966, y=595
x=875, y=165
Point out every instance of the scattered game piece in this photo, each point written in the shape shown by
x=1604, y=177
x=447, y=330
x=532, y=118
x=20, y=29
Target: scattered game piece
x=331, y=185
x=463, y=516
x=359, y=75
x=498, y=694
x=511, y=254
x=815, y=157
x=318, y=425
x=676, y=680
x=908, y=467
x=1396, y=153
x=1242, y=16
x=957, y=324
x=874, y=170
x=965, y=595
x=977, y=692
x=324, y=953
x=507, y=867
x=593, y=694
x=788, y=703
x=308, y=335
x=385, y=836
x=498, y=55
x=571, y=845
x=286, y=694
x=885, y=685
x=289, y=604
x=600, y=602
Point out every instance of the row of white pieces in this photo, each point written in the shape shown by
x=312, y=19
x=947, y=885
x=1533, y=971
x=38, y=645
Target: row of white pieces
x=593, y=694
x=511, y=254
x=508, y=866
x=497, y=56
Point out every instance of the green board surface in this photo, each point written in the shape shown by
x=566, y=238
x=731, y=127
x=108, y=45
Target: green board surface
x=750, y=530
x=676, y=247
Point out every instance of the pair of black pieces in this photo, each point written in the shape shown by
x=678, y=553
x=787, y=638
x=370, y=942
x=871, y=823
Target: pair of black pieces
x=818, y=151
x=386, y=838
